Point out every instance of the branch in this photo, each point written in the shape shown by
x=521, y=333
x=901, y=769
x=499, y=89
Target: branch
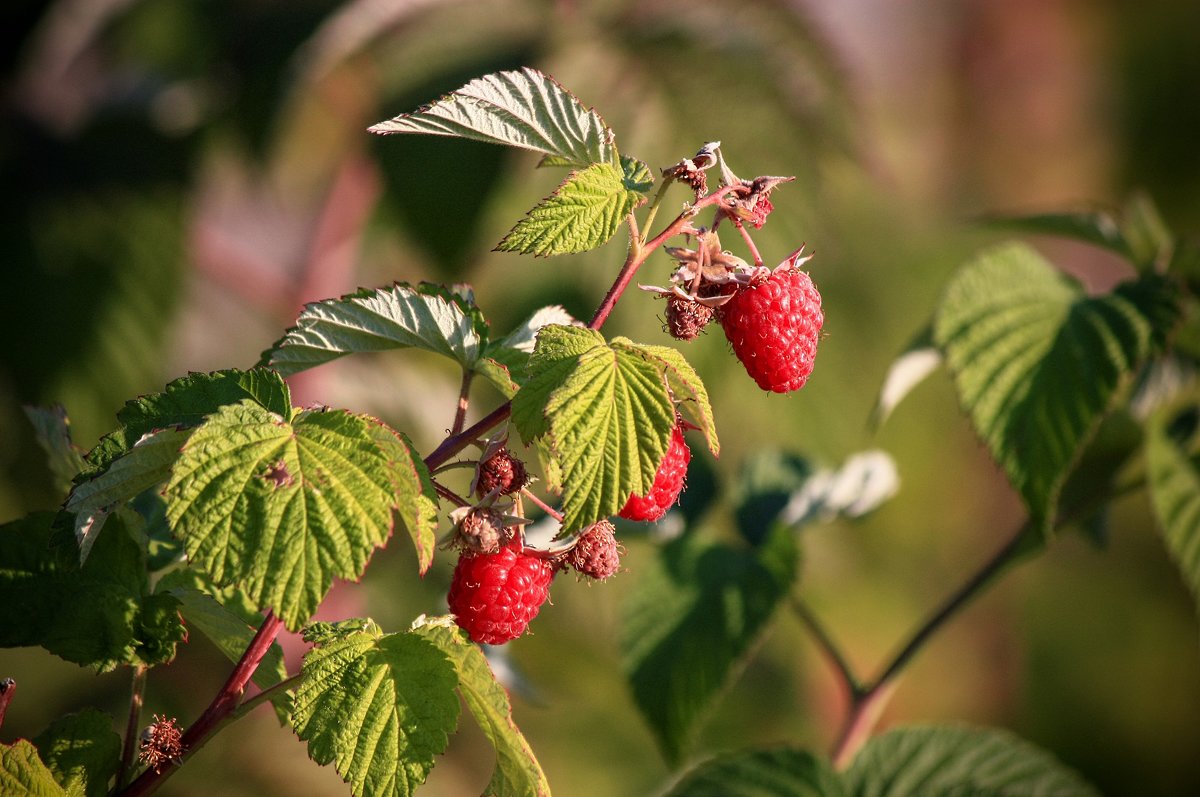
x=829, y=647
x=464, y=398
x=133, y=725
x=7, y=688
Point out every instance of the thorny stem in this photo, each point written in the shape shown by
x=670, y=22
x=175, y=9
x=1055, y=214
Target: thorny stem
x=464, y=399
x=867, y=703
x=220, y=709
x=267, y=694
x=133, y=725
x=7, y=688
x=450, y=495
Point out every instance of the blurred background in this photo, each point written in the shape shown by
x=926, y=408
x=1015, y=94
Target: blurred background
x=181, y=176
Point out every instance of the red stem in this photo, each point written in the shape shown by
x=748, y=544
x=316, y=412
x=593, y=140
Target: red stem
x=7, y=687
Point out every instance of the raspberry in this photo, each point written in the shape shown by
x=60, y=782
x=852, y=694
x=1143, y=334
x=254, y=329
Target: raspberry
x=668, y=483
x=773, y=324
x=502, y=472
x=596, y=554
x=494, y=596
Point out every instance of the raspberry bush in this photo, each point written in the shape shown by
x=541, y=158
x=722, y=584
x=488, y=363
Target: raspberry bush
x=218, y=508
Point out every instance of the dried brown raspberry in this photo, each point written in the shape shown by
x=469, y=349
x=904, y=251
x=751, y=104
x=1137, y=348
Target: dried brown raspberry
x=480, y=529
x=501, y=472
x=686, y=318
x=596, y=554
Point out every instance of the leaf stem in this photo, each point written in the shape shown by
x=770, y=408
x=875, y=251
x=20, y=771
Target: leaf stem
x=267, y=694
x=132, y=725
x=549, y=510
x=655, y=203
x=870, y=701
x=830, y=648
x=464, y=400
x=219, y=710
x=758, y=261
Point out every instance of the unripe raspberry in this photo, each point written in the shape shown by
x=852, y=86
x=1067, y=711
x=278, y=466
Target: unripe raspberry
x=502, y=472
x=494, y=596
x=596, y=554
x=774, y=324
x=668, y=483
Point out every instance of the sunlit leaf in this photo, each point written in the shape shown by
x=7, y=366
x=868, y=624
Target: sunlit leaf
x=771, y=772
x=22, y=773
x=378, y=706
x=584, y=212
x=82, y=752
x=1096, y=227
x=53, y=431
x=1175, y=490
x=953, y=762
x=523, y=108
x=692, y=619
x=636, y=174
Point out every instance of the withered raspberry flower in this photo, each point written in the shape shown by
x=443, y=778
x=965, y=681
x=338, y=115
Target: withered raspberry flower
x=596, y=554
x=686, y=318
x=501, y=472
x=691, y=171
x=480, y=529
x=705, y=278
x=161, y=743
x=752, y=205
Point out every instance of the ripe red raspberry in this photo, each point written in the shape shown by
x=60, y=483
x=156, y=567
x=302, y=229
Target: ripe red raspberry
x=596, y=554
x=668, y=483
x=503, y=472
x=773, y=324
x=494, y=596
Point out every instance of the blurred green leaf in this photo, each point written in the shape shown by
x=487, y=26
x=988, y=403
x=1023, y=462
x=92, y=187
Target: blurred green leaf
x=918, y=360
x=427, y=317
x=770, y=772
x=583, y=212
x=608, y=415
x=522, y=108
x=1175, y=492
x=1095, y=227
x=379, y=706
x=100, y=614
x=22, y=773
x=53, y=430
x=1037, y=363
x=517, y=772
x=764, y=486
x=689, y=622
x=281, y=509
x=82, y=752
x=954, y=762
x=1145, y=232
x=1093, y=478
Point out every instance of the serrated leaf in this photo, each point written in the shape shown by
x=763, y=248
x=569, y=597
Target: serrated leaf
x=583, y=212
x=772, y=772
x=22, y=773
x=608, y=416
x=503, y=361
x=380, y=707
x=225, y=628
x=281, y=509
x=147, y=463
x=186, y=402
x=636, y=174
x=427, y=317
x=517, y=773
x=53, y=431
x=1095, y=227
x=692, y=619
x=1037, y=363
x=953, y=762
x=413, y=491
x=522, y=108
x=99, y=614
x=1175, y=492
x=81, y=751
x=918, y=360
x=687, y=389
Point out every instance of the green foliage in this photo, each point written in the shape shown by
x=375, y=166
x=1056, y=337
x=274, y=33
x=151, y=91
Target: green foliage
x=690, y=622
x=517, y=772
x=22, y=774
x=281, y=508
x=98, y=614
x=582, y=213
x=1174, y=478
x=1037, y=363
x=81, y=751
x=762, y=773
x=379, y=706
x=525, y=109
x=53, y=432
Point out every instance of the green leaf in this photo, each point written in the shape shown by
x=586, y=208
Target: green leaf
x=517, y=772
x=225, y=628
x=1095, y=227
x=764, y=487
x=147, y=464
x=583, y=212
x=22, y=773
x=380, y=707
x=954, y=762
x=186, y=402
x=503, y=361
x=281, y=509
x=81, y=751
x=427, y=317
x=1174, y=479
x=636, y=175
x=53, y=431
x=918, y=360
x=687, y=390
x=97, y=614
x=772, y=772
x=1150, y=241
x=608, y=416
x=1037, y=363
x=523, y=108
x=692, y=620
